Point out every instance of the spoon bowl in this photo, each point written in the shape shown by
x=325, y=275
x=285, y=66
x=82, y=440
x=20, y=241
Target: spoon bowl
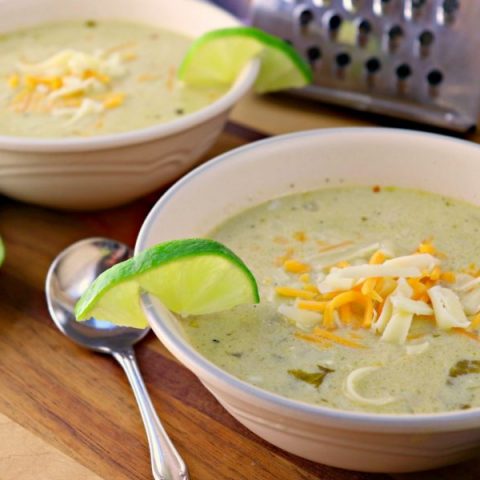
x=69, y=275
x=72, y=271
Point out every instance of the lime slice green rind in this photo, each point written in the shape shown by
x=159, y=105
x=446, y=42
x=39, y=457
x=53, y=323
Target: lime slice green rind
x=190, y=277
x=219, y=56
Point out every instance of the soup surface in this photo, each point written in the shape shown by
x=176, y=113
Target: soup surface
x=89, y=78
x=355, y=354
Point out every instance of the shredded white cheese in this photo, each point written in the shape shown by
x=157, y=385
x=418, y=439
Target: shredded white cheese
x=471, y=301
x=447, y=307
x=303, y=319
x=345, y=253
x=397, y=327
x=408, y=305
x=86, y=107
x=422, y=261
x=402, y=319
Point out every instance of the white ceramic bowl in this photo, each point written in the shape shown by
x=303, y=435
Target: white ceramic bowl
x=294, y=163
x=103, y=171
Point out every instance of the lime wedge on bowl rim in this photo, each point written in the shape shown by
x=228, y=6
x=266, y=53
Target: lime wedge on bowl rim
x=190, y=277
x=218, y=57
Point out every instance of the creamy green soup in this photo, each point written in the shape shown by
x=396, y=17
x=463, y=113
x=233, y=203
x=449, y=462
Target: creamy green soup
x=83, y=78
x=432, y=369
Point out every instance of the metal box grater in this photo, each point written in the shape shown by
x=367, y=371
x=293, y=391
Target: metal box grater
x=413, y=59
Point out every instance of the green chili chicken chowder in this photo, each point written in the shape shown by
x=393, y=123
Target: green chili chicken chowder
x=91, y=78
x=370, y=301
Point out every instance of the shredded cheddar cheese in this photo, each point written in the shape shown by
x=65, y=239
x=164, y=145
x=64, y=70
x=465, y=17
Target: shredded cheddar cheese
x=295, y=266
x=300, y=236
x=426, y=247
x=295, y=292
x=304, y=278
x=114, y=100
x=475, y=323
x=342, y=299
x=13, y=81
x=312, y=305
x=325, y=334
x=323, y=342
x=449, y=277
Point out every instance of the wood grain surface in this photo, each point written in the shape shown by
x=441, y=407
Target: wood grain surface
x=66, y=413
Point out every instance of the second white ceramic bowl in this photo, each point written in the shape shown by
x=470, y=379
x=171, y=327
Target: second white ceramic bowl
x=296, y=163
x=108, y=170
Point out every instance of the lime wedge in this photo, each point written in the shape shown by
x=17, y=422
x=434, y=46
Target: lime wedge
x=190, y=277
x=218, y=57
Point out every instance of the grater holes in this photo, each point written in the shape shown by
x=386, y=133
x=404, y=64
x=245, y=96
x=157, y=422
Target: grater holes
x=363, y=32
x=448, y=11
x=450, y=6
x=305, y=17
x=335, y=22
x=313, y=54
x=425, y=42
x=417, y=5
x=395, y=35
x=403, y=71
x=364, y=27
x=373, y=65
x=426, y=38
x=343, y=59
x=434, y=78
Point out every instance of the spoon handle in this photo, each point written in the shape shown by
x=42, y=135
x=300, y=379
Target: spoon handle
x=167, y=464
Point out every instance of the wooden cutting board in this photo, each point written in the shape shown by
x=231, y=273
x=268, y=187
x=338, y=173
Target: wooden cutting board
x=69, y=414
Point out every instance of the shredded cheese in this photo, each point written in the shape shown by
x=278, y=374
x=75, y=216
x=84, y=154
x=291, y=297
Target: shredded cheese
x=397, y=328
x=311, y=305
x=382, y=293
x=295, y=266
x=295, y=292
x=336, y=338
x=448, y=309
x=338, y=301
x=408, y=305
x=49, y=86
x=302, y=318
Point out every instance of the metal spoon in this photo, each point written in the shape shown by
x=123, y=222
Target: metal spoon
x=70, y=274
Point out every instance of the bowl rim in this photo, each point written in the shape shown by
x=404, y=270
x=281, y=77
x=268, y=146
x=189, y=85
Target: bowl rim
x=242, y=84
x=347, y=419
